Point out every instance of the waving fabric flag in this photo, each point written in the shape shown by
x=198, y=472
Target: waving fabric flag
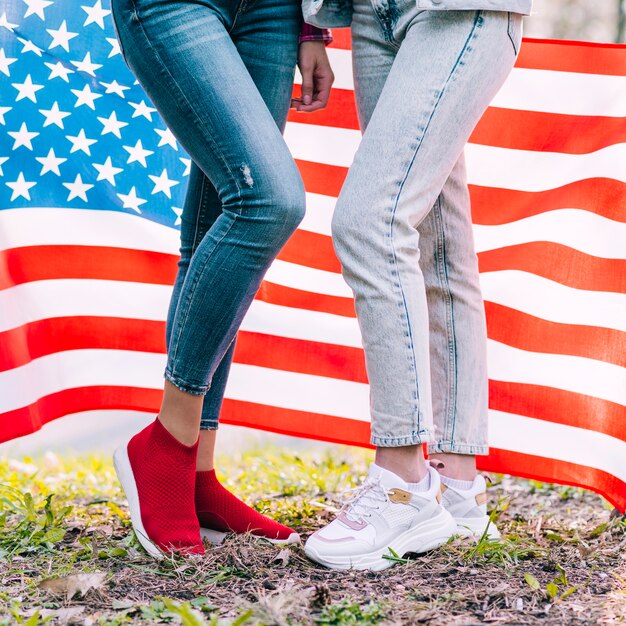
x=91, y=185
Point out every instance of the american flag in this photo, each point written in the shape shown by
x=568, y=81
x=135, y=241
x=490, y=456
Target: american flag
x=91, y=185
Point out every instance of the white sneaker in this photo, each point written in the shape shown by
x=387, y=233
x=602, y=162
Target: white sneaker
x=468, y=507
x=384, y=517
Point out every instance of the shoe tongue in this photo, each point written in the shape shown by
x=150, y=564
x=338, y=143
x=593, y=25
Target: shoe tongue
x=387, y=479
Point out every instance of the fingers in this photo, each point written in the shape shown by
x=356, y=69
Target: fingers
x=307, y=83
x=317, y=77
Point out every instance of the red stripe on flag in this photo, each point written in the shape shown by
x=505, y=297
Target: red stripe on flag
x=311, y=249
x=300, y=299
x=553, y=470
x=30, y=263
x=602, y=196
x=547, y=132
x=340, y=112
x=526, y=332
x=320, y=178
x=558, y=406
x=558, y=263
x=560, y=55
x=30, y=418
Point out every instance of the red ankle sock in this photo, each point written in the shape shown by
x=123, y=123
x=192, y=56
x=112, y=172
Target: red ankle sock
x=218, y=509
x=164, y=470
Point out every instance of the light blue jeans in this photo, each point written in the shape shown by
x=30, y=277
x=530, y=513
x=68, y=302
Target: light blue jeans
x=402, y=227
x=220, y=73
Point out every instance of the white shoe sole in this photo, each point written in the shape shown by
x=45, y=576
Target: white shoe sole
x=421, y=538
x=474, y=527
x=127, y=478
x=216, y=537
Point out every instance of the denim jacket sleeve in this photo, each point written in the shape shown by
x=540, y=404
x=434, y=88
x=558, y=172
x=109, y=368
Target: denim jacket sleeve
x=338, y=13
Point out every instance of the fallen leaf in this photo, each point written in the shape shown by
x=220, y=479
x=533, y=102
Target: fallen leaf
x=533, y=583
x=69, y=586
x=283, y=556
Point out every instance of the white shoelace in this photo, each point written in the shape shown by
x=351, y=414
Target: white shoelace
x=367, y=498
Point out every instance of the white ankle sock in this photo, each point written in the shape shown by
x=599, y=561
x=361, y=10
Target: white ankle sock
x=457, y=484
x=423, y=485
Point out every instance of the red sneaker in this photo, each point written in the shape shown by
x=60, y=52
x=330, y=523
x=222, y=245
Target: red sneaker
x=157, y=473
x=219, y=512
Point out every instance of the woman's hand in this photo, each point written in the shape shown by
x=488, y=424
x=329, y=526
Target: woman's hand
x=317, y=77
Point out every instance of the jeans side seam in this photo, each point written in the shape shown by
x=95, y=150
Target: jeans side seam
x=192, y=288
x=401, y=188
x=442, y=273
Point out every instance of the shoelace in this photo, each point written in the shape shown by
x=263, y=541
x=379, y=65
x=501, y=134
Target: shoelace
x=367, y=496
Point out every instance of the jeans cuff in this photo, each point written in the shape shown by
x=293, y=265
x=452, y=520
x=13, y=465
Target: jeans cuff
x=414, y=439
x=453, y=447
x=212, y=423
x=196, y=390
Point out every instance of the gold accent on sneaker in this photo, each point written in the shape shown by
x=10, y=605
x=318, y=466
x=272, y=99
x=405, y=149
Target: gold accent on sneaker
x=481, y=498
x=443, y=488
x=399, y=496
x=439, y=496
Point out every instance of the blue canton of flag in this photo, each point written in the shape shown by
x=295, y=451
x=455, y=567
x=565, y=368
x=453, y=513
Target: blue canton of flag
x=77, y=131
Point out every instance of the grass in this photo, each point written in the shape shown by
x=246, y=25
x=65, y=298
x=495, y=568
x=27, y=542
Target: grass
x=67, y=555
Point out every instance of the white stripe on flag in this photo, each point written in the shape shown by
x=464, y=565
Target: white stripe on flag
x=541, y=438
x=308, y=279
x=528, y=170
x=581, y=230
x=570, y=373
x=552, y=301
x=40, y=226
x=566, y=93
x=45, y=299
x=299, y=392
x=127, y=368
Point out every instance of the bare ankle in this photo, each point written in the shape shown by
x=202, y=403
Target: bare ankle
x=407, y=462
x=457, y=466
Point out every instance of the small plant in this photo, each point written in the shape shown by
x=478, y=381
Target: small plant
x=27, y=526
x=351, y=613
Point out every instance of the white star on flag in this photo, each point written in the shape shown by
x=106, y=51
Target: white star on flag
x=95, y=14
x=5, y=61
x=58, y=70
x=162, y=183
x=27, y=89
x=106, y=171
x=142, y=109
x=81, y=142
x=2, y=160
x=5, y=23
x=23, y=137
x=54, y=115
x=61, y=37
x=115, y=87
x=137, y=153
x=115, y=47
x=20, y=187
x=3, y=111
x=131, y=201
x=29, y=46
x=85, y=96
x=167, y=138
x=178, y=211
x=187, y=164
x=112, y=125
x=78, y=189
x=86, y=65
x=36, y=7
x=50, y=163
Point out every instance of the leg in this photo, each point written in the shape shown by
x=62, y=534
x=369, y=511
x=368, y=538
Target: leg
x=458, y=336
x=184, y=57
x=419, y=135
x=441, y=80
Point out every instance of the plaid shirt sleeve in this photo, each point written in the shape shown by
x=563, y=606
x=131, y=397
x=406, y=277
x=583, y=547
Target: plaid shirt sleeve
x=312, y=33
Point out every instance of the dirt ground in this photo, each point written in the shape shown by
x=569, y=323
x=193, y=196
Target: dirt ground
x=562, y=559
